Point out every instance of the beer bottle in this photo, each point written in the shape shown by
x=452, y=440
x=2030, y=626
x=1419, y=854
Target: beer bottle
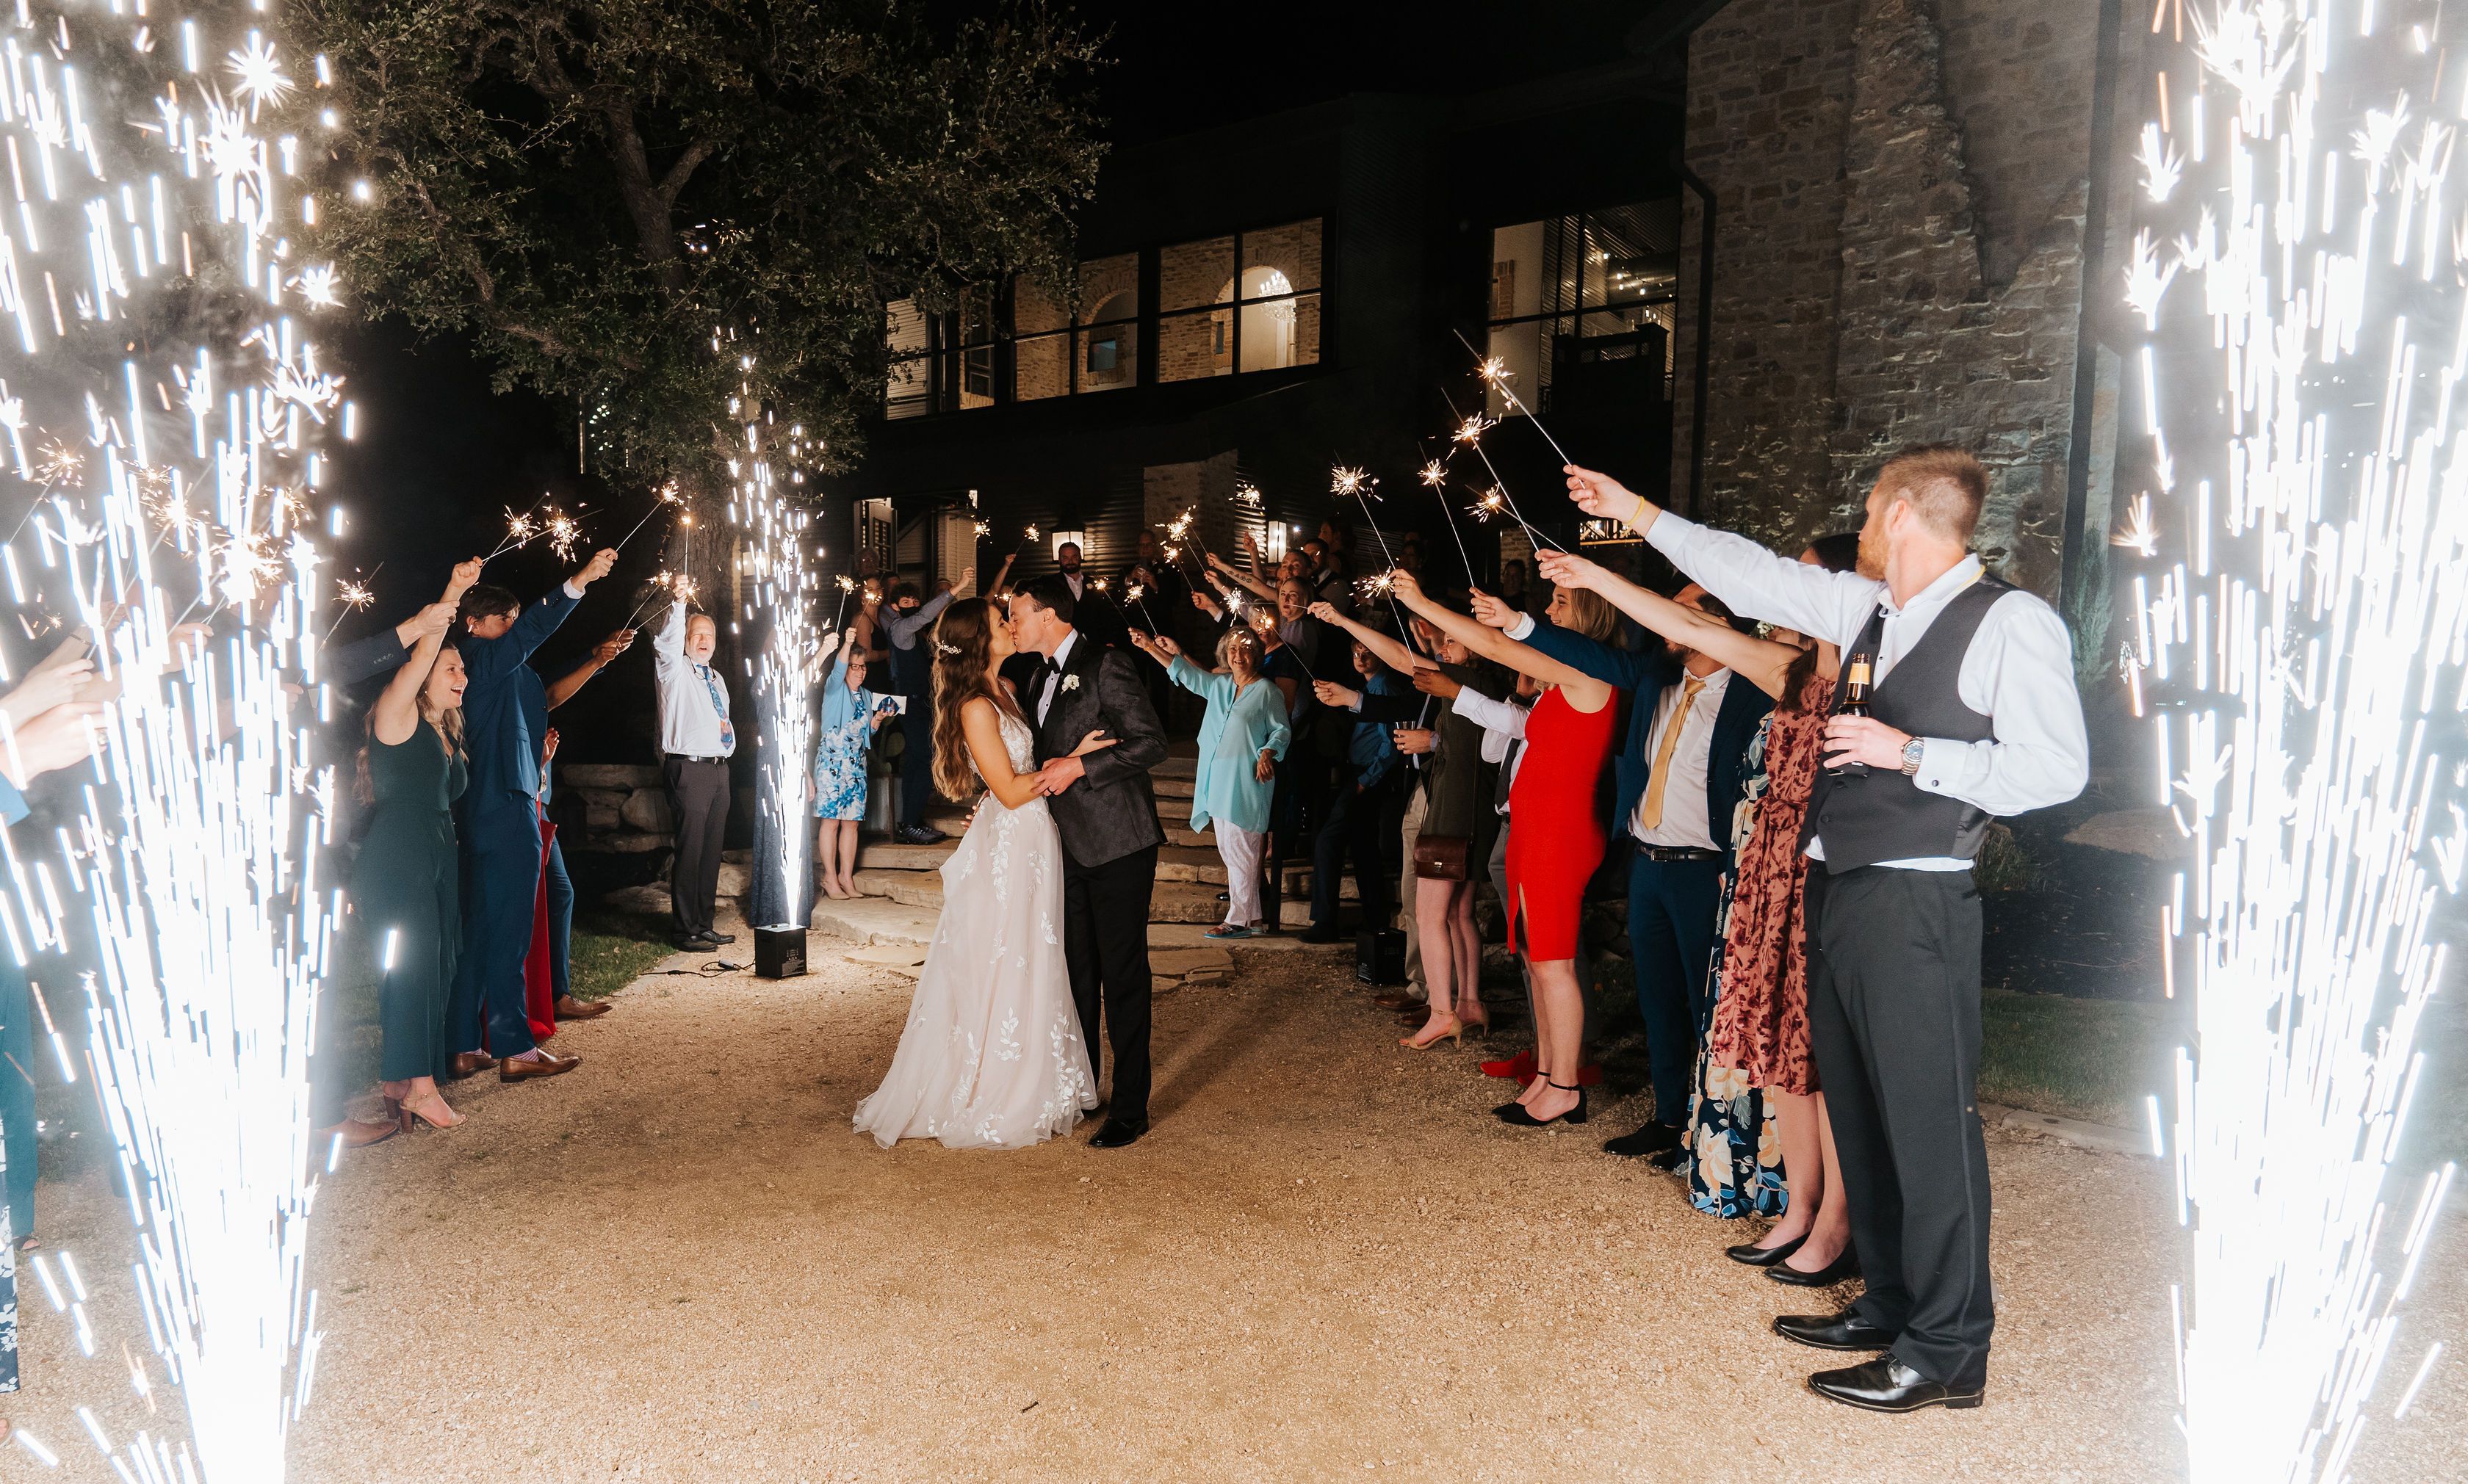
x=1855, y=704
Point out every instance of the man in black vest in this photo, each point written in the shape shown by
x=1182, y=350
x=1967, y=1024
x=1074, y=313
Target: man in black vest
x=1972, y=714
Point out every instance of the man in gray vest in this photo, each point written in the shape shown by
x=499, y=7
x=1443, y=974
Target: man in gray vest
x=1972, y=714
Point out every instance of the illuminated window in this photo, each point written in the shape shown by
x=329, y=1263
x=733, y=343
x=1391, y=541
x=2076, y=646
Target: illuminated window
x=1581, y=307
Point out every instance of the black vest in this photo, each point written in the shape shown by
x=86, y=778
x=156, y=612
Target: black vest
x=1884, y=815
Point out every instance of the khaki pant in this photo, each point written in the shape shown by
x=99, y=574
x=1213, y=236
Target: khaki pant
x=1406, y=896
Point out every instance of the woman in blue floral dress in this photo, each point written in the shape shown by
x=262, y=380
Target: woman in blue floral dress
x=843, y=741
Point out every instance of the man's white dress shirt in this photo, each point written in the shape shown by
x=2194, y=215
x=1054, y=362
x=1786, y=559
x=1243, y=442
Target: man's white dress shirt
x=1054, y=683
x=2019, y=672
x=692, y=697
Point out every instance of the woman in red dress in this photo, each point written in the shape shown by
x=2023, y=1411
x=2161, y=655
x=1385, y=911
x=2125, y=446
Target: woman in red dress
x=1558, y=836
x=1760, y=1029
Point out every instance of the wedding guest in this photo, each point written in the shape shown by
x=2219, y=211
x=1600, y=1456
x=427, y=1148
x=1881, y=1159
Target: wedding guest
x=1298, y=649
x=1757, y=1057
x=500, y=824
x=50, y=727
x=405, y=882
x=364, y=659
x=1408, y=718
x=1678, y=780
x=1973, y=713
x=697, y=740
x=1240, y=738
x=843, y=739
x=1512, y=586
x=1442, y=859
x=912, y=679
x=866, y=633
x=1557, y=839
x=1097, y=616
x=557, y=949
x=1366, y=808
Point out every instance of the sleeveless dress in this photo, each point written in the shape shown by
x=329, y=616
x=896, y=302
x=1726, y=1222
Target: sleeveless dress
x=406, y=890
x=1557, y=835
x=992, y=1057
x=842, y=740
x=1759, y=1037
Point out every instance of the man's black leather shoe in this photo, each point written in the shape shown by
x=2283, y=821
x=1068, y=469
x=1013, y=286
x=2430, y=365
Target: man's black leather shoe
x=918, y=835
x=1649, y=1138
x=1116, y=1134
x=1845, y=1331
x=1886, y=1385
x=715, y=936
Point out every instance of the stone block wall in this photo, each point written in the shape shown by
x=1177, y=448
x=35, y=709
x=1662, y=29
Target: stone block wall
x=1899, y=256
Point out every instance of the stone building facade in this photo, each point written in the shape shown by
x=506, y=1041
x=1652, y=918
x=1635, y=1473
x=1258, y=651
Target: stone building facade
x=1902, y=194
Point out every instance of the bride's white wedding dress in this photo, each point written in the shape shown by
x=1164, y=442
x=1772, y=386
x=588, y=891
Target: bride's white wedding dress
x=991, y=1056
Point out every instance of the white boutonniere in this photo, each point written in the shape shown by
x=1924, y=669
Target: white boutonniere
x=1071, y=682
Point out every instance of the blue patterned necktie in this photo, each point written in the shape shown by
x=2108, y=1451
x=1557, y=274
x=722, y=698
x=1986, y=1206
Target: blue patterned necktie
x=718, y=704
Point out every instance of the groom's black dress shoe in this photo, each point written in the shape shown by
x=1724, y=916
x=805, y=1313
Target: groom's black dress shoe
x=1115, y=1134
x=1845, y=1331
x=918, y=835
x=1886, y=1385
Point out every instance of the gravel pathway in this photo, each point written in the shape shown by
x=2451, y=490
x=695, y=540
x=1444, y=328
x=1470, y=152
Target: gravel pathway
x=678, y=1263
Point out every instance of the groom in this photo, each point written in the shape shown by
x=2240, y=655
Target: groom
x=1107, y=819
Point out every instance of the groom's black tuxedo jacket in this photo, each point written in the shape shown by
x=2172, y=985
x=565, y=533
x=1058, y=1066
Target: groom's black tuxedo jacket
x=1112, y=810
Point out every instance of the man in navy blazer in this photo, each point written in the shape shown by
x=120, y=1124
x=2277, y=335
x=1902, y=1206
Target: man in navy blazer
x=503, y=706
x=1678, y=776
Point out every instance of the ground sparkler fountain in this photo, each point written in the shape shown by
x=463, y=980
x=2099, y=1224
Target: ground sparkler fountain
x=2300, y=628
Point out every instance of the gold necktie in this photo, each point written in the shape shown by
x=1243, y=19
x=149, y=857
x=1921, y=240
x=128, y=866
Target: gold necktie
x=1650, y=812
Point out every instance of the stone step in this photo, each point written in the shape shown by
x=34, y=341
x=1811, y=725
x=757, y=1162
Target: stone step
x=881, y=921
x=1170, y=902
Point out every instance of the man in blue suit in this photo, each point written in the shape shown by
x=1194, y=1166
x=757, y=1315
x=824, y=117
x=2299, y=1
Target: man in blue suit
x=1680, y=779
x=505, y=708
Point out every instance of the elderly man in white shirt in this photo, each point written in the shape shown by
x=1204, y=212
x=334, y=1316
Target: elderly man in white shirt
x=1973, y=713
x=697, y=740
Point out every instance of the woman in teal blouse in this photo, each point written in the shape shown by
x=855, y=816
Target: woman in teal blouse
x=1241, y=740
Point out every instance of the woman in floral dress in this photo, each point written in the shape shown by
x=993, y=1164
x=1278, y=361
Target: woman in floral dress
x=843, y=739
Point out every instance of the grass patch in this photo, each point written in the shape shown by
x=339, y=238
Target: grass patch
x=2094, y=1059
x=609, y=950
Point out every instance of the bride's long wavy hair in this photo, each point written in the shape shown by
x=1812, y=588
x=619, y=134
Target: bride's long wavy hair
x=963, y=640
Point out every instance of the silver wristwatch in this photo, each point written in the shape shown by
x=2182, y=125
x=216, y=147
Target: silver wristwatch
x=1912, y=751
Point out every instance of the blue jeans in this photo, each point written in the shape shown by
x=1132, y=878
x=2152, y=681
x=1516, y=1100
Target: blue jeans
x=560, y=919
x=1671, y=906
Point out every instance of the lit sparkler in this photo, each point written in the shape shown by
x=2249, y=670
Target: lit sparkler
x=667, y=497
x=1497, y=376
x=519, y=531
x=1436, y=477
x=1469, y=434
x=2299, y=649
x=563, y=533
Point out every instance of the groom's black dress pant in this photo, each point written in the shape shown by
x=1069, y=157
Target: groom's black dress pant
x=1893, y=1017
x=1106, y=940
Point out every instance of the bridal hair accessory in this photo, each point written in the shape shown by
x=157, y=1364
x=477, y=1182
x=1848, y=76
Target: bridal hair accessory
x=940, y=647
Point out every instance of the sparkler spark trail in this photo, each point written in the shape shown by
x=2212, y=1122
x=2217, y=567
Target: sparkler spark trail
x=2299, y=650
x=194, y=869
x=1469, y=434
x=666, y=497
x=1497, y=376
x=783, y=587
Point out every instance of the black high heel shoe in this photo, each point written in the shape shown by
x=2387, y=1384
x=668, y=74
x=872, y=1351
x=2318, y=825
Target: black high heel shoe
x=1517, y=1117
x=1755, y=1256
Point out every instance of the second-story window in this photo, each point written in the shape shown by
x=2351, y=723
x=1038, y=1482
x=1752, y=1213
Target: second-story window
x=1581, y=307
x=1248, y=301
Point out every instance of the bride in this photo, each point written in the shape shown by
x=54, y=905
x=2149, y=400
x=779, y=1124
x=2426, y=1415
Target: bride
x=991, y=1056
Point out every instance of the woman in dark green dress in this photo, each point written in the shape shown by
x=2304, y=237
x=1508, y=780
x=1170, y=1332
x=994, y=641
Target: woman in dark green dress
x=406, y=883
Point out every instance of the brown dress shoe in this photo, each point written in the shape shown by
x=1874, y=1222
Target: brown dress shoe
x=470, y=1064
x=360, y=1132
x=1400, y=1001
x=549, y=1064
x=568, y=1007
